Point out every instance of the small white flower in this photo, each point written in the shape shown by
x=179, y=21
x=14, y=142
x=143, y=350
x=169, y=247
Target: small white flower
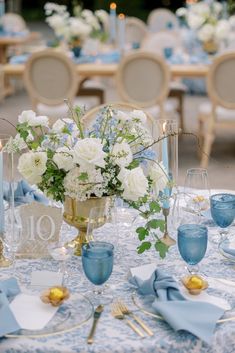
x=139, y=115
x=63, y=158
x=134, y=183
x=26, y=116
x=89, y=153
x=122, y=116
x=122, y=154
x=159, y=177
x=39, y=121
x=58, y=126
x=32, y=165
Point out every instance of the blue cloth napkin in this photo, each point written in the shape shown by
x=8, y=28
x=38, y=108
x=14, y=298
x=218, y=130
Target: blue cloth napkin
x=23, y=193
x=19, y=59
x=199, y=318
x=8, y=289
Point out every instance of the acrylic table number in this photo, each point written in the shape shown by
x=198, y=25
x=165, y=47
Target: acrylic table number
x=40, y=226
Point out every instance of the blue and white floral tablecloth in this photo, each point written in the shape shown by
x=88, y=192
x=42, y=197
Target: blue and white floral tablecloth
x=113, y=336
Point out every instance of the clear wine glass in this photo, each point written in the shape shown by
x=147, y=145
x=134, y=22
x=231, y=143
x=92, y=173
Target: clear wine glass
x=223, y=213
x=192, y=244
x=197, y=191
x=97, y=262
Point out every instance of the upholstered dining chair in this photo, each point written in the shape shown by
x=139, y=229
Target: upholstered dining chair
x=143, y=79
x=13, y=22
x=162, y=19
x=219, y=112
x=50, y=77
x=156, y=43
x=136, y=31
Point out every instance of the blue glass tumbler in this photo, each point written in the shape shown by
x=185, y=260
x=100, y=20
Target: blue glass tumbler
x=192, y=244
x=223, y=212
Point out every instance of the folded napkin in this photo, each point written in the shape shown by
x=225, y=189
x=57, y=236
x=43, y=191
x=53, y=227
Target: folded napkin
x=23, y=193
x=8, y=289
x=228, y=247
x=199, y=318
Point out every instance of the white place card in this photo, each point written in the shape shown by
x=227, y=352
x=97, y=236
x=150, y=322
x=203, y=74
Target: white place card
x=46, y=278
x=144, y=272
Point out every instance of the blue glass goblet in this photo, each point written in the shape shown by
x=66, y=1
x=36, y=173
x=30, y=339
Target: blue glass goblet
x=223, y=212
x=97, y=262
x=192, y=244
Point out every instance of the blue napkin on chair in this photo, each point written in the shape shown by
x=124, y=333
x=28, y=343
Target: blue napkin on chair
x=23, y=193
x=8, y=289
x=199, y=318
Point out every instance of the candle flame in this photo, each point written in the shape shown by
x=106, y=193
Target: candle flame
x=113, y=6
x=121, y=16
x=164, y=127
x=0, y=145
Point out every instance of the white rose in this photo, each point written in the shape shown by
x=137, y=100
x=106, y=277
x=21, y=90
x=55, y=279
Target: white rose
x=222, y=30
x=89, y=153
x=63, y=158
x=159, y=177
x=103, y=17
x=26, y=116
x=39, y=121
x=206, y=33
x=134, y=183
x=122, y=154
x=139, y=115
x=122, y=116
x=58, y=126
x=32, y=165
x=195, y=21
x=181, y=12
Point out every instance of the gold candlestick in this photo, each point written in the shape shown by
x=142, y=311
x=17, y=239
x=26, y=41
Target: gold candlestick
x=4, y=262
x=166, y=239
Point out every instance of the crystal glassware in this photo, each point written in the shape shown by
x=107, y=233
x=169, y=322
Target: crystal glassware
x=197, y=191
x=97, y=262
x=192, y=244
x=61, y=253
x=223, y=212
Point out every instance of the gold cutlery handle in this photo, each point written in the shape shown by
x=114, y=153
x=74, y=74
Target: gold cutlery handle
x=134, y=328
x=90, y=338
x=143, y=325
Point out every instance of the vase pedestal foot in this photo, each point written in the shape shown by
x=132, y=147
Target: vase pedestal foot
x=77, y=243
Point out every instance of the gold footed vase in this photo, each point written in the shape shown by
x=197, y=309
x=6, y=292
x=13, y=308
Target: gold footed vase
x=76, y=214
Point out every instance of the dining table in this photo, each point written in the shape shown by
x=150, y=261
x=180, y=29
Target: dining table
x=114, y=335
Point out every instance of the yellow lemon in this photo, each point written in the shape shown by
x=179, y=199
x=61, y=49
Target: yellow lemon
x=195, y=282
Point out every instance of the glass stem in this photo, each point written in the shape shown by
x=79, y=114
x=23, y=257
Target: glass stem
x=223, y=234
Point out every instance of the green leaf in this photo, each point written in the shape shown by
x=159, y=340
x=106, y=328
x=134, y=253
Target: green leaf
x=134, y=164
x=156, y=223
x=142, y=233
x=161, y=248
x=83, y=176
x=146, y=245
x=34, y=145
x=154, y=207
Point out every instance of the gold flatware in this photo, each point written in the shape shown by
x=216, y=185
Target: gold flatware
x=117, y=314
x=97, y=313
x=124, y=309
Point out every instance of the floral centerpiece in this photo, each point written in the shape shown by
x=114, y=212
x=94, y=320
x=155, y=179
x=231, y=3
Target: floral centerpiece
x=112, y=157
x=207, y=19
x=75, y=29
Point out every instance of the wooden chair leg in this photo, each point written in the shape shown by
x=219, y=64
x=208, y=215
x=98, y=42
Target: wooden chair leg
x=209, y=139
x=200, y=136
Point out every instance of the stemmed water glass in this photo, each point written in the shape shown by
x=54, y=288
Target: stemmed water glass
x=97, y=262
x=223, y=214
x=61, y=253
x=192, y=244
x=197, y=191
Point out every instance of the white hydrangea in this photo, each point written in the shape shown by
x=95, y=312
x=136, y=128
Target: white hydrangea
x=195, y=21
x=29, y=117
x=103, y=17
x=222, y=30
x=78, y=28
x=63, y=158
x=139, y=115
x=32, y=165
x=90, y=19
x=206, y=33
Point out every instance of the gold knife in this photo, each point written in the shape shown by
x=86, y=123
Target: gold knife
x=97, y=313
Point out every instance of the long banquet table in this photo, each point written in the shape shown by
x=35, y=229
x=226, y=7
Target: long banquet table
x=113, y=335
x=98, y=69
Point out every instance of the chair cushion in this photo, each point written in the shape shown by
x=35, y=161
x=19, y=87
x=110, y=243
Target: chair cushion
x=61, y=111
x=222, y=113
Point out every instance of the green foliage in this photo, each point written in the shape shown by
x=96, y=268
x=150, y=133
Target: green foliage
x=83, y=176
x=52, y=182
x=161, y=248
x=146, y=245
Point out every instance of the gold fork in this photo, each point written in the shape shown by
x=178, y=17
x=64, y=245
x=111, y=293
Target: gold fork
x=117, y=314
x=124, y=309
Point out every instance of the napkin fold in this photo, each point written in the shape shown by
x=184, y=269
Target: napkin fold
x=8, y=289
x=23, y=193
x=198, y=318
